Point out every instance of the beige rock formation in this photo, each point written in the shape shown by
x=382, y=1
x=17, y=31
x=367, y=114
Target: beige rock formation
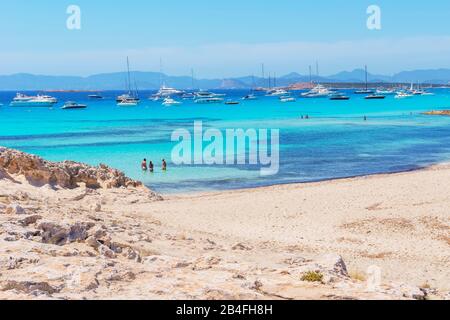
x=65, y=174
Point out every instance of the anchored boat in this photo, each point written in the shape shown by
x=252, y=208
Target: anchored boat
x=73, y=105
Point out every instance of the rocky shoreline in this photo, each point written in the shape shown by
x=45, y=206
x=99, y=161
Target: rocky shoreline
x=71, y=231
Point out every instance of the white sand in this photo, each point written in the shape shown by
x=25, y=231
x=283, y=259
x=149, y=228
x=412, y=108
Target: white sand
x=399, y=222
x=245, y=244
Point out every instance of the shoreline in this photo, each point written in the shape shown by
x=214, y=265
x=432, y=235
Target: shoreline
x=364, y=176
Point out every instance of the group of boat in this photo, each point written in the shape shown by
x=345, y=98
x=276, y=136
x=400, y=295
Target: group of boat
x=172, y=97
x=22, y=100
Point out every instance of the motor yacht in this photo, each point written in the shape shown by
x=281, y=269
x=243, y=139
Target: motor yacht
x=208, y=100
x=73, y=105
x=165, y=91
x=287, y=99
x=206, y=94
x=170, y=102
x=403, y=95
x=95, y=96
x=231, y=102
x=128, y=103
x=375, y=97
x=37, y=101
x=277, y=93
x=250, y=97
x=318, y=91
x=339, y=96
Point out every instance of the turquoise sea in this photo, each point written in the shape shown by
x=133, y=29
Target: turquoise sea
x=335, y=142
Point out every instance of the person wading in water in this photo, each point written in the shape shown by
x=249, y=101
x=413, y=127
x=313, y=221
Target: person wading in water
x=151, y=167
x=144, y=165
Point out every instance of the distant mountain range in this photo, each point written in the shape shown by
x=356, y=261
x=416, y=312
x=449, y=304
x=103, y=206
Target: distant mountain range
x=152, y=80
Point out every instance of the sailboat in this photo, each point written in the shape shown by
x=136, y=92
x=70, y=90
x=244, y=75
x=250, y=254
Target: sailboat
x=366, y=91
x=131, y=98
x=252, y=95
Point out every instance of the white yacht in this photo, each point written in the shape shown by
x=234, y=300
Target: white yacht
x=187, y=96
x=35, y=101
x=206, y=100
x=385, y=92
x=403, y=95
x=170, y=102
x=318, y=91
x=206, y=94
x=128, y=103
x=73, y=105
x=277, y=93
x=167, y=91
x=287, y=99
x=20, y=97
x=208, y=97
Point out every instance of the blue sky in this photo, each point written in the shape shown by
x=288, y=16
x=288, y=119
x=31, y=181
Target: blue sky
x=222, y=38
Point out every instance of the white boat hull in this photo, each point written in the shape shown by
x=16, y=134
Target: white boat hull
x=32, y=104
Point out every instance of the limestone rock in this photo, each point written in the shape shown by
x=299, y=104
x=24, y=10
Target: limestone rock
x=15, y=209
x=60, y=235
x=30, y=220
x=106, y=252
x=28, y=286
x=241, y=246
x=333, y=263
x=65, y=174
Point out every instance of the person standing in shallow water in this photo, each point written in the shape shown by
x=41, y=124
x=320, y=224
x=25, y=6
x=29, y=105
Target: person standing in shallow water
x=164, y=165
x=151, y=167
x=144, y=165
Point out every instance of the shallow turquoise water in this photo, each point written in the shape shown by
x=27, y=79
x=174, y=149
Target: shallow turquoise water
x=335, y=142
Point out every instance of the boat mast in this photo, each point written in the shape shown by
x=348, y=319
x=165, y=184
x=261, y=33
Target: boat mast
x=129, y=76
x=253, y=84
x=310, y=74
x=160, y=73
x=317, y=71
x=193, y=81
x=367, y=87
x=136, y=88
x=263, y=74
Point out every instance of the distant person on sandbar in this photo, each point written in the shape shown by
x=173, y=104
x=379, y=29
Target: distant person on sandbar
x=365, y=118
x=164, y=165
x=144, y=165
x=151, y=167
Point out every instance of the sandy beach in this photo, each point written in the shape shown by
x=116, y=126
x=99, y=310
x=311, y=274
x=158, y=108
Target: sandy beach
x=129, y=243
x=398, y=222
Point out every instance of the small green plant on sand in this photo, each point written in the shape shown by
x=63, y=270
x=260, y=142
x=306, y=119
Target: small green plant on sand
x=312, y=276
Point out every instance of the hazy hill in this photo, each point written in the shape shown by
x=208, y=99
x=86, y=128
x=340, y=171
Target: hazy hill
x=153, y=80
